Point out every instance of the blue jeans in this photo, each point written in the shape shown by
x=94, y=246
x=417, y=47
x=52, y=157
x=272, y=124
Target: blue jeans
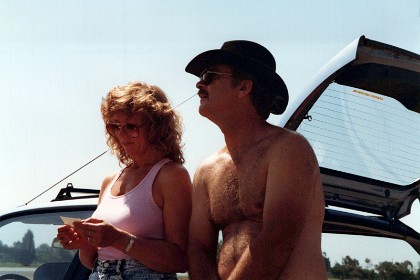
x=126, y=270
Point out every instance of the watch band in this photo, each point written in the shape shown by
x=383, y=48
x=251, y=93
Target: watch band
x=129, y=244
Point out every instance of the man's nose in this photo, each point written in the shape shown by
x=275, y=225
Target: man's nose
x=200, y=84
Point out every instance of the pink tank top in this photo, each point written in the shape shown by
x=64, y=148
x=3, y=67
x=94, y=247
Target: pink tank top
x=135, y=212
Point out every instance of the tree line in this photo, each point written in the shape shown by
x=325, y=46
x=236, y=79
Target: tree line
x=351, y=269
x=24, y=252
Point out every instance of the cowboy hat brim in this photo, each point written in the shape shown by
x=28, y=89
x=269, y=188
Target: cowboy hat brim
x=270, y=78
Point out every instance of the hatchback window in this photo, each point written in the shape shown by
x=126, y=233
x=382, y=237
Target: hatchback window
x=364, y=133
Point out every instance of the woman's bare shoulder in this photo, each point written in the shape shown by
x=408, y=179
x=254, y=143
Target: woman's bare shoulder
x=173, y=169
x=106, y=181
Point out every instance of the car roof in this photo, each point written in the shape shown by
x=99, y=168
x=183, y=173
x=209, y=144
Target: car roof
x=68, y=199
x=366, y=132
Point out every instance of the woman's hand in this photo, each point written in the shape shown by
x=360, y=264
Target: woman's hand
x=70, y=238
x=98, y=233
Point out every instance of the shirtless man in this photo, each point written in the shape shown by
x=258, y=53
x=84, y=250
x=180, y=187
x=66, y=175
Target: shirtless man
x=263, y=189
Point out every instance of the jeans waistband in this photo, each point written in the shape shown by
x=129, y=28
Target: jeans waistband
x=112, y=269
x=118, y=265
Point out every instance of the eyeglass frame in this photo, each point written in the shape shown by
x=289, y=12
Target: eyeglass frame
x=212, y=76
x=118, y=128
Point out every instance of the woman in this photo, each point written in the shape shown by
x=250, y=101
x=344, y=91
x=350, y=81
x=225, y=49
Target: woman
x=140, y=228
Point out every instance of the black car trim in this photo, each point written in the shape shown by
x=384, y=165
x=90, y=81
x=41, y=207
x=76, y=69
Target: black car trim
x=339, y=222
x=369, y=195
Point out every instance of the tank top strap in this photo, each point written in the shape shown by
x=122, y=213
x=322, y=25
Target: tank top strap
x=150, y=177
x=109, y=186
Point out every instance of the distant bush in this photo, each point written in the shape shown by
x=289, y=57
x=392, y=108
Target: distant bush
x=351, y=269
x=24, y=253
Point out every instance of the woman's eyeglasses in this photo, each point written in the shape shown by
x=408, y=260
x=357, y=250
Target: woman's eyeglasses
x=209, y=76
x=132, y=130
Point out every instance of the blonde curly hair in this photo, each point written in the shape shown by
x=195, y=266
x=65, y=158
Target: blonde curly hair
x=161, y=121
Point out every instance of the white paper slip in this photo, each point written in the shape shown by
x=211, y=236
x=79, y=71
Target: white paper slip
x=69, y=221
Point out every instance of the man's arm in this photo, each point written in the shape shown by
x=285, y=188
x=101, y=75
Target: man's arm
x=292, y=176
x=203, y=234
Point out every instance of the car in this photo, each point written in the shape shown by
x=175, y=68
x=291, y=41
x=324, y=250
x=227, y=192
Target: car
x=23, y=227
x=360, y=114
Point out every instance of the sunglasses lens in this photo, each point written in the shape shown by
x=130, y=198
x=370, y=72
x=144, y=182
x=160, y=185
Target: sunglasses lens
x=111, y=128
x=207, y=78
x=130, y=129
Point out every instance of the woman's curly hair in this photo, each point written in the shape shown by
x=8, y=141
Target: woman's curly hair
x=162, y=123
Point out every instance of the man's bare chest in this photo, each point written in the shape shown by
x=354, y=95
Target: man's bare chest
x=237, y=193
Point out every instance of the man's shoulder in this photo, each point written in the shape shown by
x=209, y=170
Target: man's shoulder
x=284, y=141
x=214, y=161
x=220, y=156
x=281, y=136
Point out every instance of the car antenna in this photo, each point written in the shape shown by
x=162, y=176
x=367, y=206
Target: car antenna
x=92, y=160
x=66, y=177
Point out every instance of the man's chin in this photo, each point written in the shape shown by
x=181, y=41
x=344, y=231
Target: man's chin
x=202, y=111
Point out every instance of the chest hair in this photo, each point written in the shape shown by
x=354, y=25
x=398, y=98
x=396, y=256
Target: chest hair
x=237, y=190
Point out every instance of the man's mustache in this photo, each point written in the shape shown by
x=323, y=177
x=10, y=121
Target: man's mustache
x=202, y=92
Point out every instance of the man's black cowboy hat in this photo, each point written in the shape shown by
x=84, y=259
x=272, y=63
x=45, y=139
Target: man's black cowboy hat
x=252, y=58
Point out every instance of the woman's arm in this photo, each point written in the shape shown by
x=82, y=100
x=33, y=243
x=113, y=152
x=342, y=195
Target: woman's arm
x=171, y=191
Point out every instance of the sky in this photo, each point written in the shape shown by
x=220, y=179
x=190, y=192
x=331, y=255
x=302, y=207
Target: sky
x=59, y=58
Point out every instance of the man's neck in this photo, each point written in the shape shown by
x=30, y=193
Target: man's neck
x=242, y=136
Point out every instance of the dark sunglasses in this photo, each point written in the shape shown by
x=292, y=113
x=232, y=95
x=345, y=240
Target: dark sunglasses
x=209, y=76
x=132, y=130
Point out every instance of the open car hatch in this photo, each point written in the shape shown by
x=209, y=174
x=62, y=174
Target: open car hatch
x=361, y=116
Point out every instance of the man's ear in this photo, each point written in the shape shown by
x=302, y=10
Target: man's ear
x=245, y=88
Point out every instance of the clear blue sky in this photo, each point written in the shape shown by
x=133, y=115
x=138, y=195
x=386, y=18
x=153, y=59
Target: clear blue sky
x=58, y=58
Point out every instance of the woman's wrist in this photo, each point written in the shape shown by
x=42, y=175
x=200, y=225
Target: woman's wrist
x=130, y=243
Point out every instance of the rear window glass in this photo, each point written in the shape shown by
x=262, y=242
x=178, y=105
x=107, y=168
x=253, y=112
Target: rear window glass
x=364, y=133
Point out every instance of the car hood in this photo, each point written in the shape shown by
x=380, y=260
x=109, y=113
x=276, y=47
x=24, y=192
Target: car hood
x=361, y=115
